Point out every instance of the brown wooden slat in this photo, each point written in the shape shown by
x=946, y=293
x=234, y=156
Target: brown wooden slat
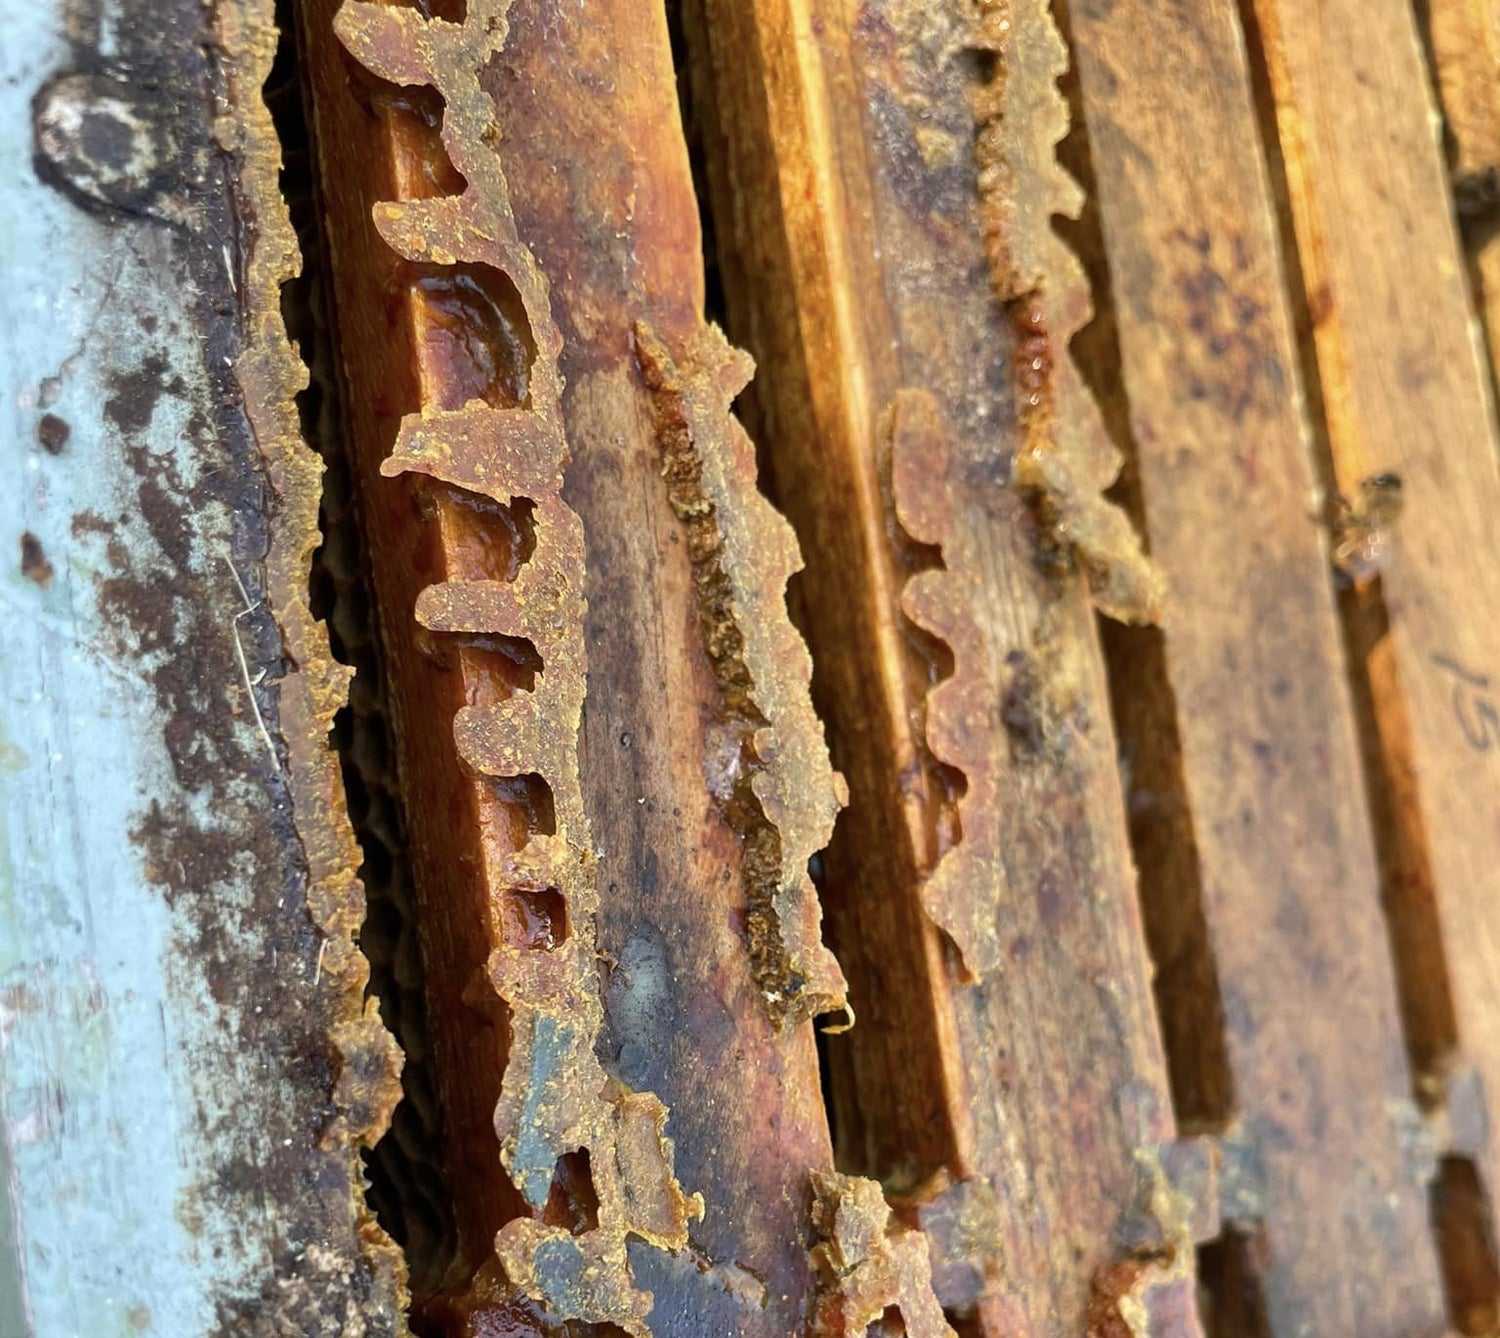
x=606, y=198
x=599, y=186
x=839, y=145
x=1463, y=40
x=1406, y=390
x=380, y=154
x=1269, y=765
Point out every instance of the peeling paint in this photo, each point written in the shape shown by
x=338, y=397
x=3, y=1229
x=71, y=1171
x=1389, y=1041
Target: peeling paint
x=199, y=1070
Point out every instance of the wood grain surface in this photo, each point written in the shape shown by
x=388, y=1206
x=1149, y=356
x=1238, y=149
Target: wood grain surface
x=1406, y=391
x=1282, y=869
x=839, y=148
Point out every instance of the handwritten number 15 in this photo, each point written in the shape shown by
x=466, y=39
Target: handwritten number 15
x=1473, y=706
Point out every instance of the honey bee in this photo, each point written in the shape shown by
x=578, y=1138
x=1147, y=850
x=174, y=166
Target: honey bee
x=1362, y=528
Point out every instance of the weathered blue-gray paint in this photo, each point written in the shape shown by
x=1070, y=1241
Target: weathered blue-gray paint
x=99, y=1115
x=164, y=1069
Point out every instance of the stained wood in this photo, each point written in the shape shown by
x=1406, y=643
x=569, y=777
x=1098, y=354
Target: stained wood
x=616, y=784
x=838, y=142
x=190, y=1067
x=1268, y=793
x=1406, y=390
x=600, y=188
x=1463, y=42
x=383, y=143
x=605, y=196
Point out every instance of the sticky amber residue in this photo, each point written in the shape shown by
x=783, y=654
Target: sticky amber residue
x=314, y=687
x=484, y=436
x=476, y=333
x=1153, y=1289
x=867, y=1265
x=1066, y=459
x=785, y=795
x=538, y=917
x=964, y=888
